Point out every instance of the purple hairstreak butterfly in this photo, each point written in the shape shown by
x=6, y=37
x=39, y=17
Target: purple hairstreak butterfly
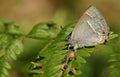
x=90, y=30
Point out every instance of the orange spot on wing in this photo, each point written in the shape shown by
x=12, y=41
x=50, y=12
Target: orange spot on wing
x=103, y=32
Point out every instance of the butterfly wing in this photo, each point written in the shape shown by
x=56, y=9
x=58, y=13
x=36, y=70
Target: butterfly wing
x=97, y=19
x=88, y=30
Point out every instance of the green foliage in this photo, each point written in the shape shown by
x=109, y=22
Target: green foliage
x=114, y=67
x=53, y=55
x=12, y=28
x=44, y=31
x=14, y=47
x=10, y=45
x=3, y=41
x=54, y=58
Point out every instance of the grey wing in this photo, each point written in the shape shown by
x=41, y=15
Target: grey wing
x=88, y=28
x=83, y=35
x=96, y=16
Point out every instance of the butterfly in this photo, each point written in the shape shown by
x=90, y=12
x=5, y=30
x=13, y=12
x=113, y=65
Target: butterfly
x=90, y=30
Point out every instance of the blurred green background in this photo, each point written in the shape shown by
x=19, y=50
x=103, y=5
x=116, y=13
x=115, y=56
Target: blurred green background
x=27, y=13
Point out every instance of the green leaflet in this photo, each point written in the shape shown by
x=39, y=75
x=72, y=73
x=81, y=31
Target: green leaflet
x=3, y=41
x=14, y=47
x=113, y=35
x=44, y=31
x=12, y=28
x=9, y=27
x=114, y=60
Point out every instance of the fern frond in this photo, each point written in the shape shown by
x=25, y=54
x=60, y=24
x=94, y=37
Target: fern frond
x=44, y=31
x=114, y=61
x=10, y=45
x=15, y=47
x=53, y=55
